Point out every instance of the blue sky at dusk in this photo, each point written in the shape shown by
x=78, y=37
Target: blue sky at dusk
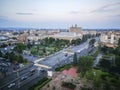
x=60, y=13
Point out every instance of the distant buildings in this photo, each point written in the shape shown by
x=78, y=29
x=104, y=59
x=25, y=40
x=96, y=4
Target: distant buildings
x=91, y=32
x=110, y=38
x=3, y=38
x=75, y=29
x=67, y=36
x=35, y=35
x=22, y=38
x=74, y=33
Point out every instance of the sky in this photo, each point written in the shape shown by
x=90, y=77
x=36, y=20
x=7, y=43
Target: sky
x=60, y=13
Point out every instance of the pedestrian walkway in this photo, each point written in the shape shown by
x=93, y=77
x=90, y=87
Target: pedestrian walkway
x=40, y=65
x=44, y=66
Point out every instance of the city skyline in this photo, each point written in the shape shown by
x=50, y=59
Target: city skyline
x=59, y=14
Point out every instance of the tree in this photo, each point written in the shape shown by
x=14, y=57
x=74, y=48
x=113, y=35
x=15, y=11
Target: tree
x=119, y=42
x=46, y=40
x=105, y=64
x=68, y=85
x=20, y=59
x=91, y=42
x=75, y=59
x=1, y=54
x=51, y=40
x=104, y=49
x=84, y=64
x=73, y=42
x=19, y=47
x=78, y=41
x=29, y=44
x=117, y=60
x=44, y=50
x=117, y=51
x=84, y=38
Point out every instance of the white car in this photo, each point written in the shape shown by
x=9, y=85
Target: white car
x=24, y=77
x=11, y=85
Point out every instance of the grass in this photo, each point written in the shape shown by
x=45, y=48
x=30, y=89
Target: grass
x=49, y=50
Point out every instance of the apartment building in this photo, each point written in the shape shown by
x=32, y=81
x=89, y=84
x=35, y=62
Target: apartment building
x=110, y=38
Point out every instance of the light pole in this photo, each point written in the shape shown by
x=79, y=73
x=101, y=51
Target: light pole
x=18, y=78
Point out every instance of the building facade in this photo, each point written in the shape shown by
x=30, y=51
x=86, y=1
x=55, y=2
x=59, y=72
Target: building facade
x=110, y=38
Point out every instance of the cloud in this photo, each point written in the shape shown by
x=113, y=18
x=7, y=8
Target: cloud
x=74, y=12
x=116, y=15
x=24, y=13
x=107, y=8
x=78, y=12
x=4, y=18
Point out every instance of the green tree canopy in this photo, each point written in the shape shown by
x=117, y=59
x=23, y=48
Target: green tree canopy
x=92, y=41
x=19, y=47
x=85, y=63
x=119, y=42
x=105, y=64
x=75, y=59
x=117, y=60
x=1, y=54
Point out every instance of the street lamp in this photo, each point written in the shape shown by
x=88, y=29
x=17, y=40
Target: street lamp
x=18, y=78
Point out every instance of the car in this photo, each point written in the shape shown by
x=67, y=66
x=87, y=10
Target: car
x=43, y=70
x=32, y=70
x=24, y=77
x=66, y=54
x=21, y=65
x=11, y=85
x=31, y=74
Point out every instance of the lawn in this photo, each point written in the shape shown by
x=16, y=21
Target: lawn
x=42, y=51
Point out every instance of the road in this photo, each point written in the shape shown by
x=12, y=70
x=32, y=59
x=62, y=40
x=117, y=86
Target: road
x=54, y=61
x=59, y=58
x=23, y=84
x=13, y=75
x=97, y=59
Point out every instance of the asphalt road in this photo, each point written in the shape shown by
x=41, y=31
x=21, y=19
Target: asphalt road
x=97, y=59
x=13, y=75
x=55, y=60
x=23, y=84
x=59, y=58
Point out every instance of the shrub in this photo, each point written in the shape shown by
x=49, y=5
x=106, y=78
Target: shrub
x=68, y=85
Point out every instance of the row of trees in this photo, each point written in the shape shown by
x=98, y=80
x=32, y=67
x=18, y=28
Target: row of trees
x=13, y=57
